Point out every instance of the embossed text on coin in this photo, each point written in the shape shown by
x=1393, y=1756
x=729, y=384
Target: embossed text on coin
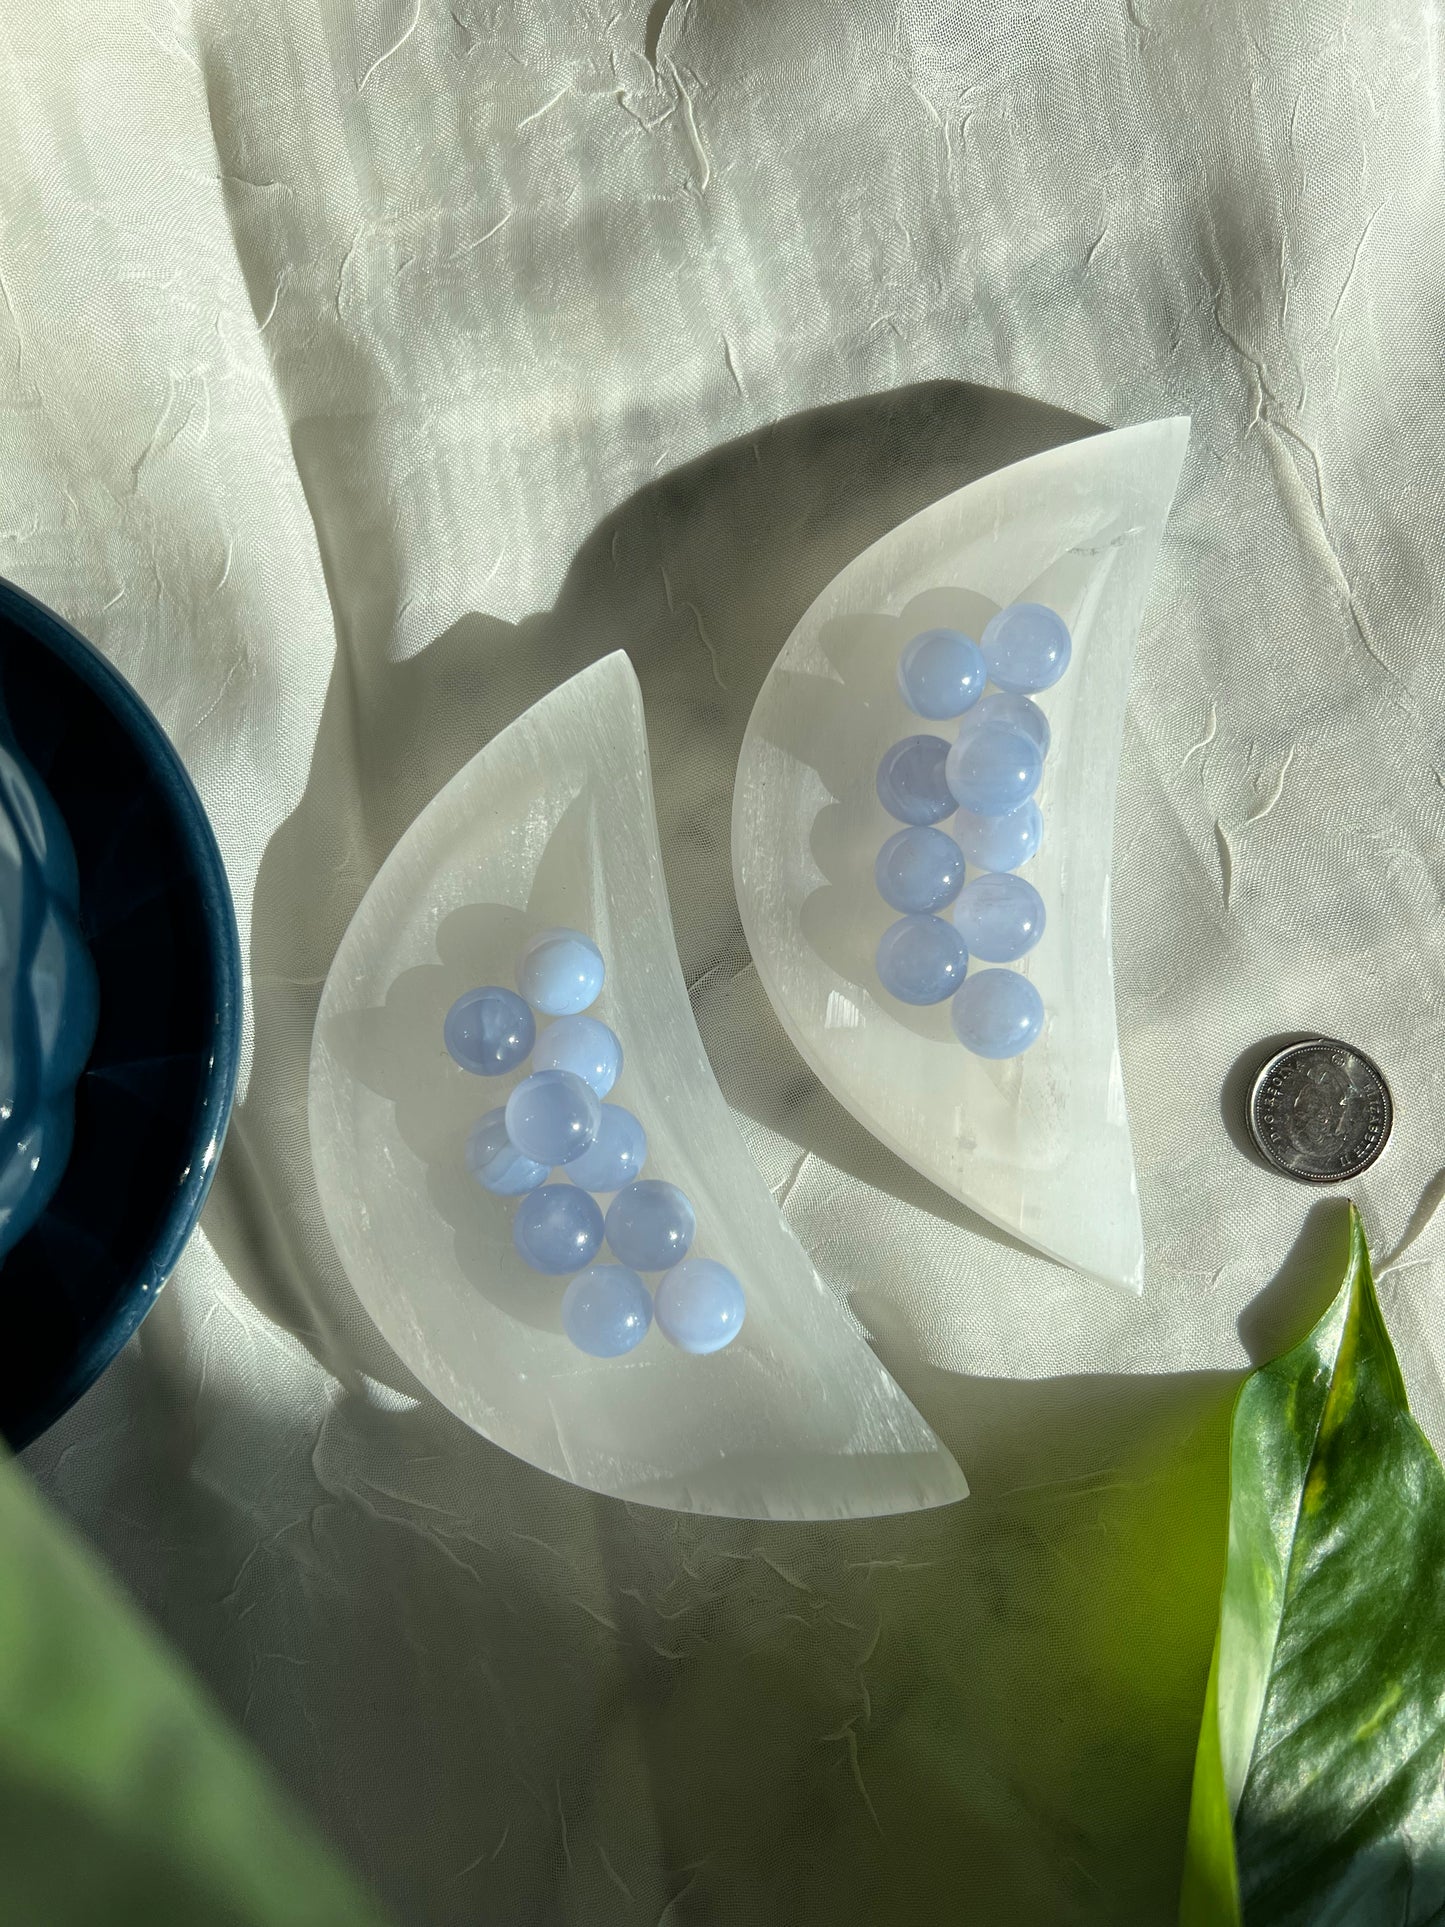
x=1320, y=1111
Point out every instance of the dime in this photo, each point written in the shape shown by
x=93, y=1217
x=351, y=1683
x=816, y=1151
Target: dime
x=1320, y=1111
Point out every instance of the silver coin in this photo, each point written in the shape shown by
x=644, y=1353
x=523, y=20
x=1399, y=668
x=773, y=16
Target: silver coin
x=1320, y=1111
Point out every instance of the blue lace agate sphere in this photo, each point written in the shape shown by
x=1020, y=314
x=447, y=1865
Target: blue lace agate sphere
x=489, y=1031
x=1026, y=647
x=583, y=1045
x=496, y=1163
x=999, y=842
x=941, y=673
x=553, y=1116
x=911, y=782
x=919, y=869
x=557, y=1228
x=606, y=1310
x=700, y=1306
x=616, y=1156
x=921, y=960
x=1000, y=918
x=560, y=972
x=650, y=1225
x=1014, y=712
x=992, y=770
x=998, y=1013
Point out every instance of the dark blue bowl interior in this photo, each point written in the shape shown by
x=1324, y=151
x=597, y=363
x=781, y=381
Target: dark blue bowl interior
x=152, y=1106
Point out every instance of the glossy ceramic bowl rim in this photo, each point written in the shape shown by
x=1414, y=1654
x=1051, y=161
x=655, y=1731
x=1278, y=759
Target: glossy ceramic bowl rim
x=217, y=1092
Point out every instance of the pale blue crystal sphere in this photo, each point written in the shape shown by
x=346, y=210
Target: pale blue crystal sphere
x=557, y=1229
x=919, y=869
x=700, y=1306
x=1026, y=647
x=553, y=1116
x=941, y=673
x=998, y=1013
x=650, y=1225
x=999, y=842
x=992, y=770
x=496, y=1163
x=489, y=1031
x=921, y=960
x=585, y=1046
x=615, y=1157
x=560, y=972
x=1014, y=712
x=1000, y=918
x=606, y=1311
x=912, y=784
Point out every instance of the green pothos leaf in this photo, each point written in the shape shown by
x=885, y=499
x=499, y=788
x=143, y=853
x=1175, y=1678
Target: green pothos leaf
x=123, y=1798
x=1318, y=1793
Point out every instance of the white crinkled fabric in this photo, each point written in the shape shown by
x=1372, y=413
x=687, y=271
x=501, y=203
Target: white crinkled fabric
x=370, y=368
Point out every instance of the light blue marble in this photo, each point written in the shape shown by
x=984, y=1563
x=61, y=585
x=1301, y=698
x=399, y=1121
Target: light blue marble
x=489, y=1031
x=616, y=1157
x=999, y=842
x=1014, y=712
x=1026, y=647
x=585, y=1046
x=998, y=1013
x=992, y=769
x=700, y=1306
x=553, y=1116
x=606, y=1311
x=1000, y=918
x=650, y=1225
x=912, y=784
x=941, y=673
x=921, y=960
x=557, y=1229
x=560, y=972
x=496, y=1163
x=919, y=869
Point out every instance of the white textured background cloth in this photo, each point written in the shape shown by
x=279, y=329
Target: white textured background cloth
x=367, y=369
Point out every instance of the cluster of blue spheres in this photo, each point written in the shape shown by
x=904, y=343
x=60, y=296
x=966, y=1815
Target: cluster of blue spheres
x=556, y=1119
x=985, y=781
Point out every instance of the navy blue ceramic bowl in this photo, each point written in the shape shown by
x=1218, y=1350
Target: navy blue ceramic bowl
x=152, y=1105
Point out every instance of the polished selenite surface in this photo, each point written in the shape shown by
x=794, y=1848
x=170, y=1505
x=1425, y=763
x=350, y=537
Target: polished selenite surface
x=1038, y=1144
x=552, y=825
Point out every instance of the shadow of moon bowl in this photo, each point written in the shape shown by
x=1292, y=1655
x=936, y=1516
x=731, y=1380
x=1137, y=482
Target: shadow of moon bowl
x=152, y=1104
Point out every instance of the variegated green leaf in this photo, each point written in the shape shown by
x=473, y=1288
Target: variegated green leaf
x=1318, y=1793
x=123, y=1798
